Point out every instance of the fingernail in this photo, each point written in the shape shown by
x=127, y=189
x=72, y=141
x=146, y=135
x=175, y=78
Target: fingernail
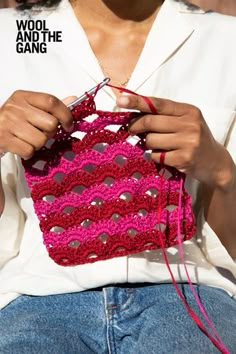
x=123, y=100
x=70, y=129
x=131, y=132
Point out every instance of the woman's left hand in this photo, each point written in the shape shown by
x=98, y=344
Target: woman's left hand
x=180, y=130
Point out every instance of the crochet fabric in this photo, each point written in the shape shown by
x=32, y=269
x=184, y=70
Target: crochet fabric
x=97, y=198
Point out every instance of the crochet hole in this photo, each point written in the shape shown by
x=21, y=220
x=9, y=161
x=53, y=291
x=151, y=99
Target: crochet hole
x=109, y=181
x=39, y=165
x=153, y=192
x=182, y=237
x=64, y=260
x=166, y=173
x=103, y=237
x=69, y=155
x=91, y=117
x=126, y=196
x=142, y=212
x=74, y=244
x=77, y=135
x=49, y=143
x=92, y=255
x=160, y=227
x=68, y=209
x=86, y=223
x=115, y=217
x=148, y=244
x=100, y=147
x=132, y=232
x=78, y=189
x=57, y=229
x=147, y=156
x=171, y=207
x=137, y=176
x=97, y=201
x=120, y=249
x=120, y=160
x=49, y=198
x=133, y=140
x=89, y=167
x=58, y=177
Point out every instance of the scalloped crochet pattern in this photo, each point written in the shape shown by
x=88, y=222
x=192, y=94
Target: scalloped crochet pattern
x=97, y=197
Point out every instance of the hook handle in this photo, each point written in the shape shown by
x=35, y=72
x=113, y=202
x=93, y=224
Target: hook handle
x=90, y=92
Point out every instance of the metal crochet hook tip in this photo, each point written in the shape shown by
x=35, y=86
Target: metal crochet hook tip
x=90, y=92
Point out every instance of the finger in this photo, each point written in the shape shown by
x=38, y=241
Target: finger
x=52, y=105
x=162, y=141
x=162, y=106
x=45, y=121
x=172, y=158
x=31, y=135
x=155, y=123
x=21, y=148
x=42, y=120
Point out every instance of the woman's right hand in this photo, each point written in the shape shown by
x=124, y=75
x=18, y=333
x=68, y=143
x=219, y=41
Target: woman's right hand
x=28, y=119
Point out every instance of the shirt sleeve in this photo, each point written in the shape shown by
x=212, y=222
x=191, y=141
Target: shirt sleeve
x=12, y=218
x=210, y=244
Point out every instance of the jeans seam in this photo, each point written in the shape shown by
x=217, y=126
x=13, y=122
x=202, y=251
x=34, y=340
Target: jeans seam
x=113, y=334
x=107, y=320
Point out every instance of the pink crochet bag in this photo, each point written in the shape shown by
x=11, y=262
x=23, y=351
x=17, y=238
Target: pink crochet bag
x=98, y=197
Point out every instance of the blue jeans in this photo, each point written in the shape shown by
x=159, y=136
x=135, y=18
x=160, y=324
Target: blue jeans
x=128, y=319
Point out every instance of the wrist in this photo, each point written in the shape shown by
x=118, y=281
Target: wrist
x=224, y=175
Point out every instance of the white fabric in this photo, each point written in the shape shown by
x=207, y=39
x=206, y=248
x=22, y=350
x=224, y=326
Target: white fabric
x=188, y=57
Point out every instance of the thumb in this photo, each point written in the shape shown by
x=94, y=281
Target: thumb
x=69, y=99
x=66, y=101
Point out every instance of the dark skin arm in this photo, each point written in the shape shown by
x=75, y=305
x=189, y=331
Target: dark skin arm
x=27, y=120
x=181, y=130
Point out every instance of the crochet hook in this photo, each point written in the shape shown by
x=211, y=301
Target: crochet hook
x=90, y=92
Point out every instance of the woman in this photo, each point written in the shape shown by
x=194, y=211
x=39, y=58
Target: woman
x=125, y=304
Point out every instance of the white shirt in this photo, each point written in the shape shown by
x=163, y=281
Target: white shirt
x=188, y=57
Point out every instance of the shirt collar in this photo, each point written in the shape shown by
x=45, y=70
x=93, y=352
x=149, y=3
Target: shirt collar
x=185, y=7
x=168, y=33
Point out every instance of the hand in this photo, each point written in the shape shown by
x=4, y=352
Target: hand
x=180, y=130
x=28, y=119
